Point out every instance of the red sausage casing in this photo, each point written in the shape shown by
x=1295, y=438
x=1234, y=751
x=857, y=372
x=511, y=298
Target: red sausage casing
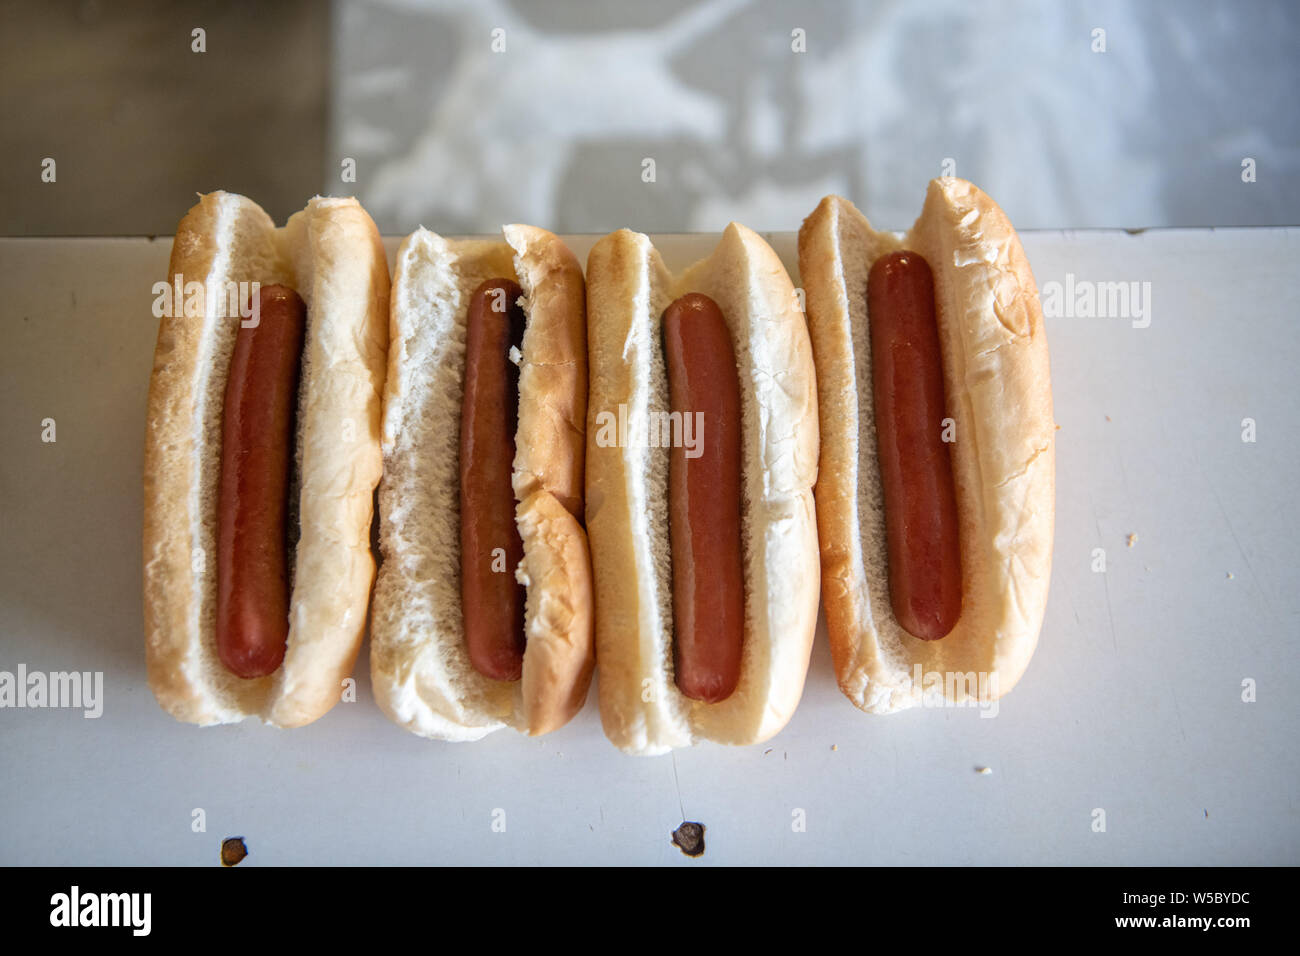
x=915, y=466
x=490, y=545
x=256, y=451
x=704, y=496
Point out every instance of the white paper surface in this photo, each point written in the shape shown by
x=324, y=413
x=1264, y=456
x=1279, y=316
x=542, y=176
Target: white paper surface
x=1132, y=704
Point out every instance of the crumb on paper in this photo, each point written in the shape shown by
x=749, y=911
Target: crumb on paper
x=1132, y=539
x=1207, y=814
x=835, y=746
x=1231, y=575
x=233, y=850
x=1107, y=418
x=984, y=771
x=689, y=838
x=767, y=751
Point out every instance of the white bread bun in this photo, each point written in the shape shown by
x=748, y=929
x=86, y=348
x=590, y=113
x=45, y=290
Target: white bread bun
x=331, y=254
x=997, y=381
x=419, y=663
x=641, y=708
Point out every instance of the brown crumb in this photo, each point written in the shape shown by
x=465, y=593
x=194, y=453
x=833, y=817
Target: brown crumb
x=689, y=838
x=1132, y=540
x=1230, y=575
x=835, y=746
x=985, y=771
x=232, y=850
x=1107, y=418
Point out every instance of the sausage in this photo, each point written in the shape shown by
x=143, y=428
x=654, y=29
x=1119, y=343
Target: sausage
x=704, y=500
x=915, y=466
x=492, y=600
x=256, y=449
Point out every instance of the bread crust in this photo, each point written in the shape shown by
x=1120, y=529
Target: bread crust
x=227, y=237
x=641, y=708
x=997, y=380
x=343, y=276
x=560, y=657
x=419, y=663
x=553, y=375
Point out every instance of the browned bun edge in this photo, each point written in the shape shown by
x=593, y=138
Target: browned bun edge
x=331, y=253
x=420, y=668
x=997, y=379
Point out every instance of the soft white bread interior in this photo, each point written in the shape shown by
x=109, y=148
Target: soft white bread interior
x=419, y=665
x=331, y=254
x=997, y=382
x=642, y=710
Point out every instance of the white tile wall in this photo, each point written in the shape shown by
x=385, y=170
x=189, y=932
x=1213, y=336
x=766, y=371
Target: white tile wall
x=555, y=128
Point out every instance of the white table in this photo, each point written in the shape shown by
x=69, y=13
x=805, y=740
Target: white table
x=1133, y=703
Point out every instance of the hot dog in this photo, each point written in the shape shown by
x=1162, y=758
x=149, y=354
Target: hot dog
x=704, y=496
x=253, y=511
x=490, y=546
x=927, y=601
x=449, y=657
x=261, y=459
x=661, y=532
x=915, y=470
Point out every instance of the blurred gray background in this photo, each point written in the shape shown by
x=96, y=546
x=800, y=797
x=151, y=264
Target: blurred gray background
x=461, y=116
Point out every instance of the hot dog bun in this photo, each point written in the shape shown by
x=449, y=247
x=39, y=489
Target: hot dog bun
x=331, y=253
x=419, y=664
x=642, y=710
x=997, y=380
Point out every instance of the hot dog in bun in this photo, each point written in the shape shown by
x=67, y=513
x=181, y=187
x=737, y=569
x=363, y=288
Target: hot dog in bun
x=935, y=495
x=261, y=459
x=482, y=613
x=701, y=457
